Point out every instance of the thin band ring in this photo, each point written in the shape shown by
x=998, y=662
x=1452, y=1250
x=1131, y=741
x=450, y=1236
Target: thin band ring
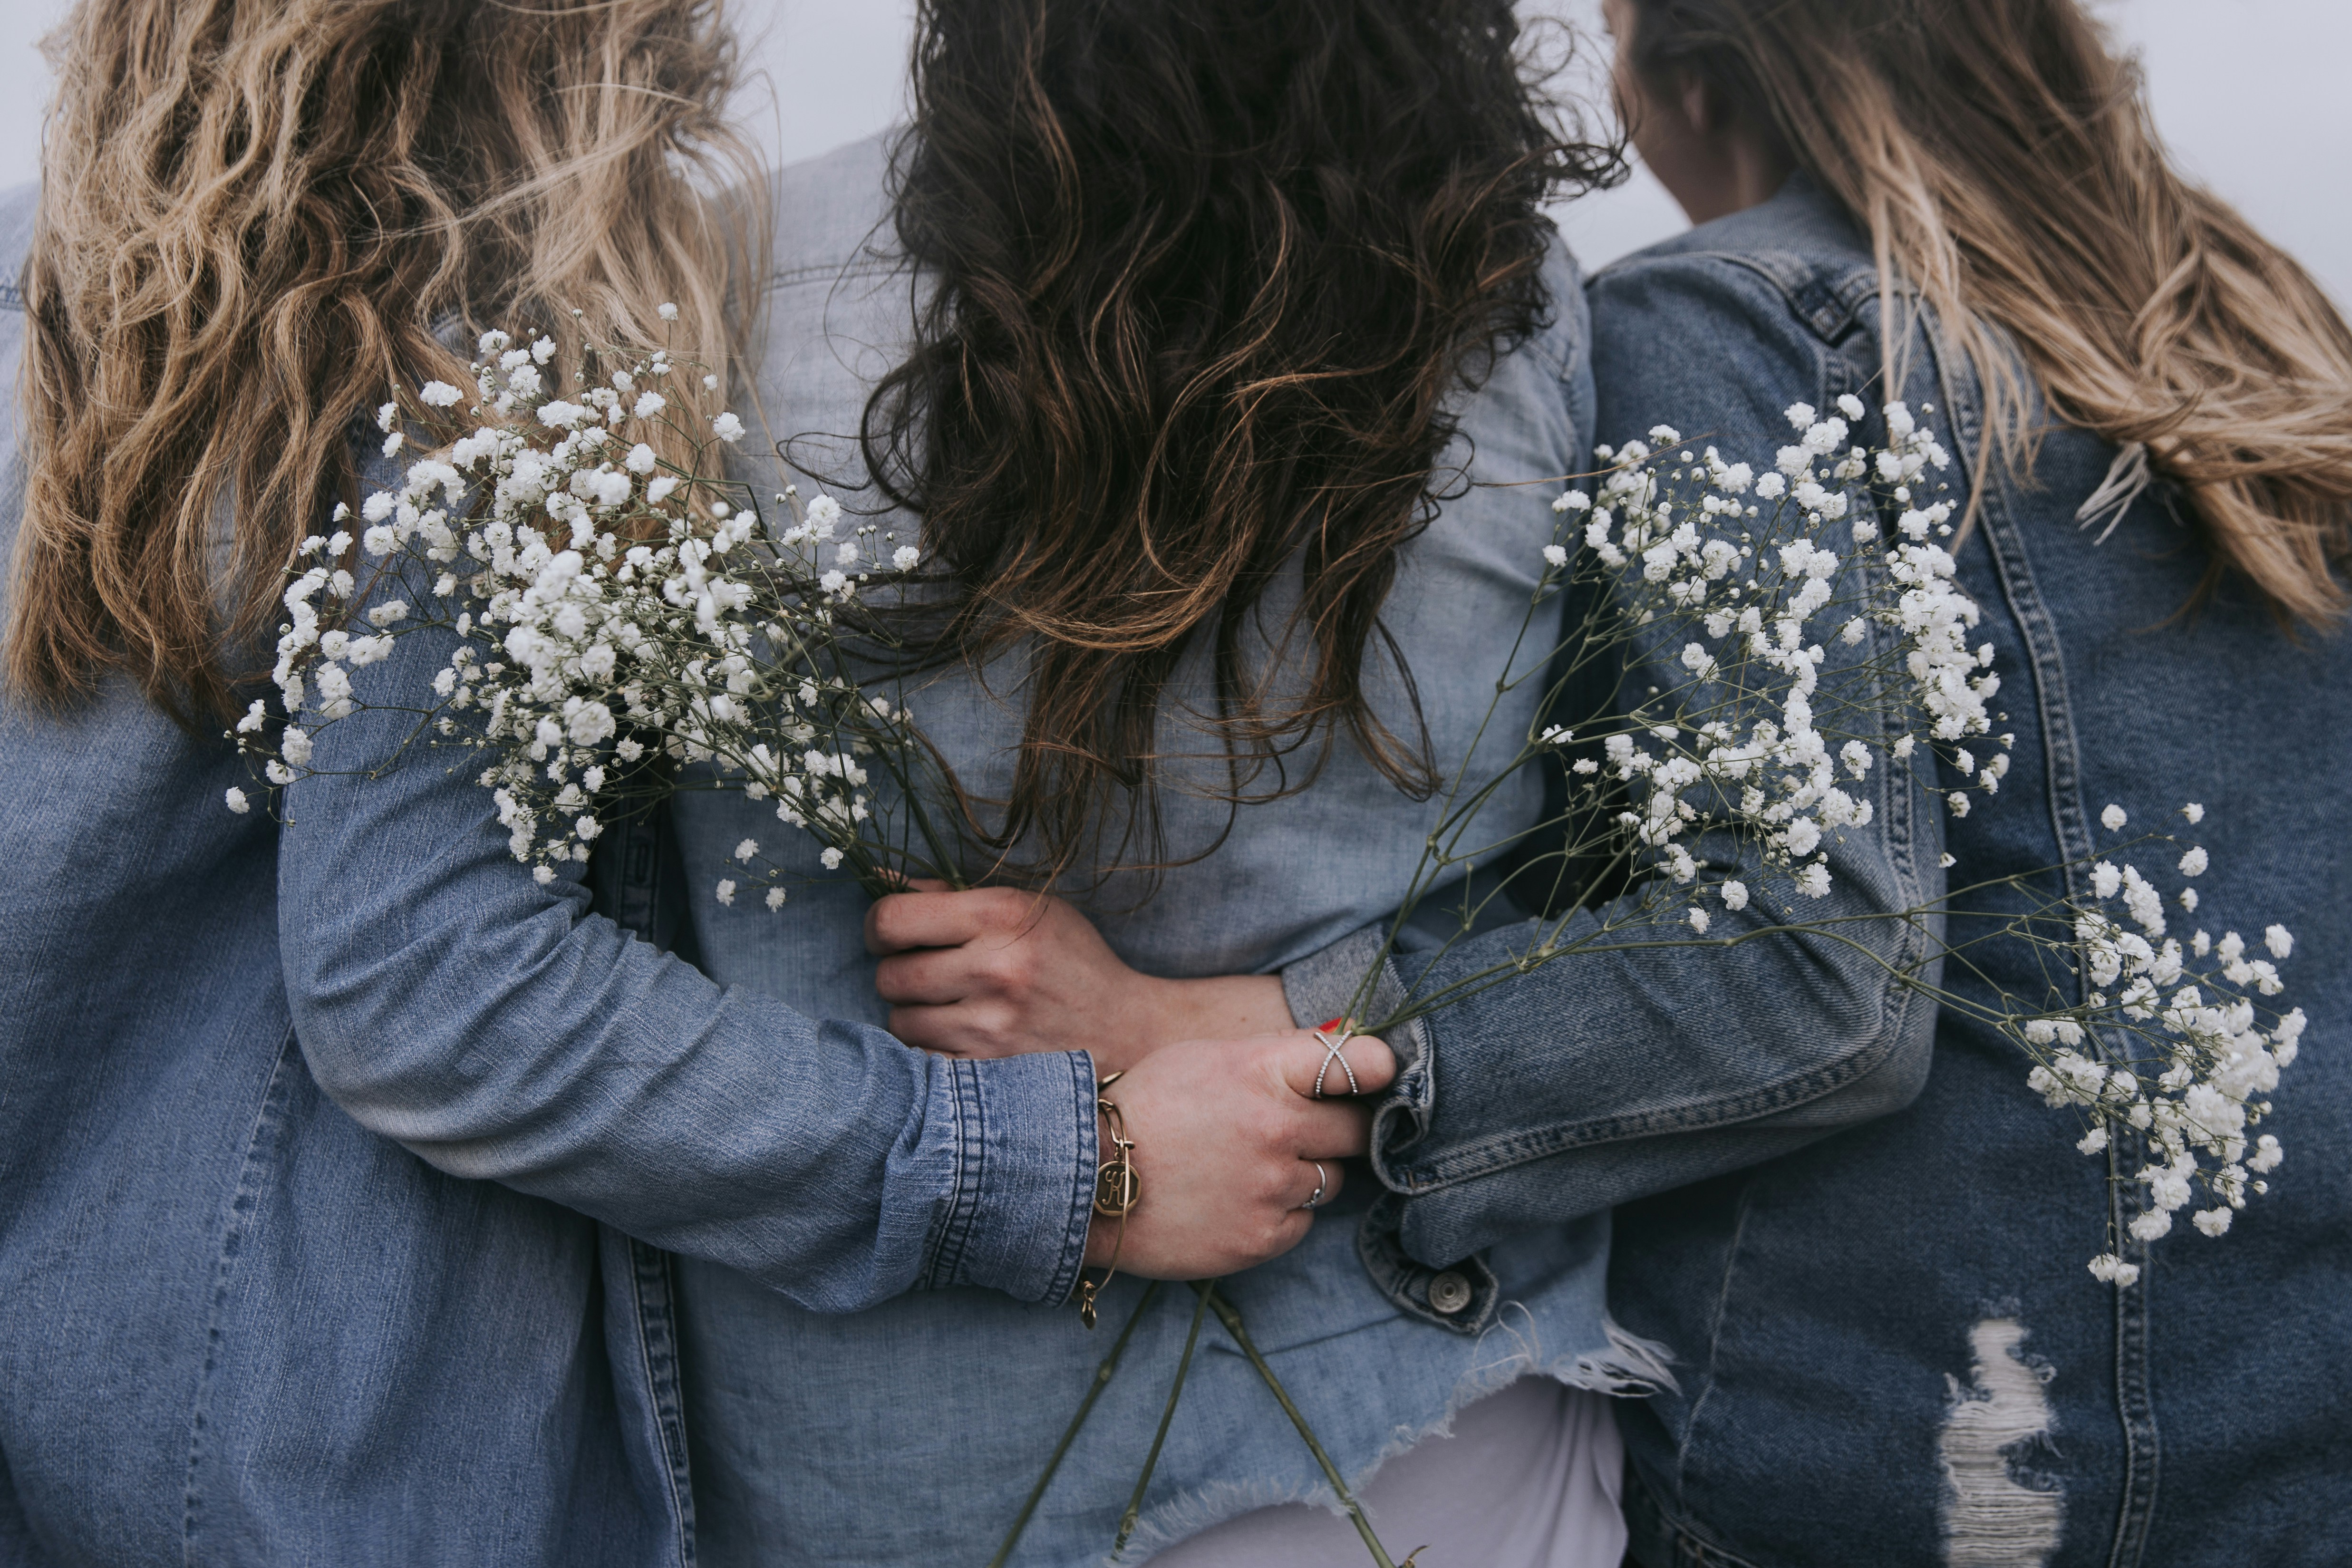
x=1322, y=1180
x=1331, y=1049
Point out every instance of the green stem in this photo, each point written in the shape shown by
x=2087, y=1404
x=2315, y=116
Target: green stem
x=1233, y=1322
x=1086, y=1408
x=1175, y=1390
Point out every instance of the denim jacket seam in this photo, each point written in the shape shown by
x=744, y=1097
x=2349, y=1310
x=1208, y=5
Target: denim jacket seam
x=955, y=1236
x=951, y=1232
x=1558, y=342
x=268, y=1122
x=1693, y=1544
x=1559, y=345
x=1790, y=274
x=1404, y=1280
x=1065, y=1278
x=1552, y=344
x=653, y=1296
x=1496, y=1155
x=1714, y=1342
x=2143, y=1445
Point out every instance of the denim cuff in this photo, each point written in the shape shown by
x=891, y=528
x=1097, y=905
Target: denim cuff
x=1025, y=1153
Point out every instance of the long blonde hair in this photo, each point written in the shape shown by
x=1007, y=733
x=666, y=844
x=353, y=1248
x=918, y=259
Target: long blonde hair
x=254, y=216
x=2003, y=159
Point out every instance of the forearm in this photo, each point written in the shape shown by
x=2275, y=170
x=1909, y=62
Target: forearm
x=448, y=1001
x=1468, y=1185
x=1221, y=1007
x=1633, y=1066
x=1647, y=1056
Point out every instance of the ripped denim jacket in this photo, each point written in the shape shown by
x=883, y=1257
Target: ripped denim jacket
x=1861, y=1234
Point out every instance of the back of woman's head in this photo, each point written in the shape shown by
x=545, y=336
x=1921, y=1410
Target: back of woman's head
x=1206, y=273
x=2003, y=159
x=254, y=214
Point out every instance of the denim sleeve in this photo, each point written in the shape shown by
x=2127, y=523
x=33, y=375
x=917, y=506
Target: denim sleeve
x=445, y=1000
x=1609, y=1075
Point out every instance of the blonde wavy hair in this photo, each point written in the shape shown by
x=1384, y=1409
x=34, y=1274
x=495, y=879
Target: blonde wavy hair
x=2001, y=157
x=254, y=216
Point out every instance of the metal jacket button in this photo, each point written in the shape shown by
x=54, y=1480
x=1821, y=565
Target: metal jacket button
x=1448, y=1293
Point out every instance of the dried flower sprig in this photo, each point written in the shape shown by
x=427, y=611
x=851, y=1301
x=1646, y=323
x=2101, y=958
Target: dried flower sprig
x=1730, y=587
x=611, y=606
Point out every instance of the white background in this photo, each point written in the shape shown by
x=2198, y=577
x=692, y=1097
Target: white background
x=2249, y=94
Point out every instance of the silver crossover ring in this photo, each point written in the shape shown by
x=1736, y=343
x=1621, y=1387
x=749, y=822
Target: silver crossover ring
x=1331, y=1043
x=1322, y=1180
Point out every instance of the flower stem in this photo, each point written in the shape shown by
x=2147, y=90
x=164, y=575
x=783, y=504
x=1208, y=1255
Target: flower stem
x=1175, y=1390
x=1233, y=1322
x=1086, y=1408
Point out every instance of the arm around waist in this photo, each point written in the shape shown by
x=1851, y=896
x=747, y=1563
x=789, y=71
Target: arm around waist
x=489, y=1024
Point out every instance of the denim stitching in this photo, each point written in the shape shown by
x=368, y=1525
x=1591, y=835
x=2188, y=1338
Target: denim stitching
x=2135, y=1403
x=1714, y=1343
x=268, y=1124
x=954, y=1228
x=1082, y=1193
x=1405, y=1281
x=1688, y=1542
x=654, y=1298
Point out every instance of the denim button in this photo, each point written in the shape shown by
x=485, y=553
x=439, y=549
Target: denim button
x=1449, y=1293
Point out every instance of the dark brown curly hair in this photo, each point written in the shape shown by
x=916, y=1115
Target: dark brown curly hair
x=1206, y=275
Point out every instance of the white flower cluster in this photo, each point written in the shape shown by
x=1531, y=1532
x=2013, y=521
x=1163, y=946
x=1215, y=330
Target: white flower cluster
x=1731, y=588
x=1752, y=576
x=2168, y=1042
x=611, y=606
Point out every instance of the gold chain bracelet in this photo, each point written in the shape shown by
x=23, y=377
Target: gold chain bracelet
x=1117, y=1189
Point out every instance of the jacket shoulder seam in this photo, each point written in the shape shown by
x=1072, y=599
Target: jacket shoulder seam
x=1827, y=297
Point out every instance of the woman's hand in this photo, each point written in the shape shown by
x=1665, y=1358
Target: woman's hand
x=1227, y=1135
x=996, y=972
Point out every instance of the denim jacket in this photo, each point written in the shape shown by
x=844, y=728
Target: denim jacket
x=237, y=1326
x=912, y=1430
x=305, y=1133
x=1890, y=1350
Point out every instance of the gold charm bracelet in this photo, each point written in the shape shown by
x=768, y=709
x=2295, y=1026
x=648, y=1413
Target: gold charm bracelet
x=1117, y=1189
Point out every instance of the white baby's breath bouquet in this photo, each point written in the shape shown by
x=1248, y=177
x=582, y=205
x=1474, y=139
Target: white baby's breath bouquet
x=1719, y=787
x=618, y=616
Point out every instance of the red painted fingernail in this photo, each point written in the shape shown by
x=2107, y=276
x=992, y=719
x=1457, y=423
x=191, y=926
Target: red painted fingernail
x=1333, y=1023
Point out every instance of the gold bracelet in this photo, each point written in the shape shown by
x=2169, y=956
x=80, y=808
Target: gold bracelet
x=1117, y=1189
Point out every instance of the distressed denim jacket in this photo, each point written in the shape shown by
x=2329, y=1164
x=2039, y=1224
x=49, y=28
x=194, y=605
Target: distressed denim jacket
x=1888, y=1347
x=912, y=1430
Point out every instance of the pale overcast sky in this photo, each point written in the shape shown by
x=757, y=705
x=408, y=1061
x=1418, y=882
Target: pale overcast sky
x=2248, y=93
